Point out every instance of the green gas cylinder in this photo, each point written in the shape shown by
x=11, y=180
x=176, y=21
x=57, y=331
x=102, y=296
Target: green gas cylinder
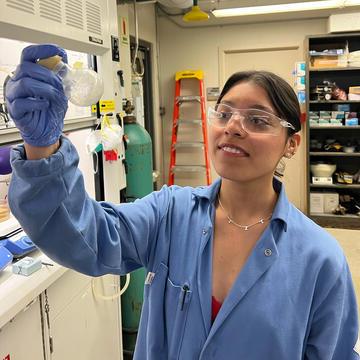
x=138, y=154
x=139, y=182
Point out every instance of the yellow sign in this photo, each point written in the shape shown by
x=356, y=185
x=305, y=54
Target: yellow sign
x=124, y=35
x=93, y=108
x=124, y=39
x=107, y=105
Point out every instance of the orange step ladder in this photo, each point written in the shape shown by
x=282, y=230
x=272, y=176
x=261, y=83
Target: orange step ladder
x=177, y=122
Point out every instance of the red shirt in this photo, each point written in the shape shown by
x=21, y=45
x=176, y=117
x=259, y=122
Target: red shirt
x=215, y=308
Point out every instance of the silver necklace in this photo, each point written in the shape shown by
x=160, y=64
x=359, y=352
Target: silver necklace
x=243, y=227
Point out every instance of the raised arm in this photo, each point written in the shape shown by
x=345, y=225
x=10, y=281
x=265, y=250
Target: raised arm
x=48, y=198
x=40, y=152
x=47, y=193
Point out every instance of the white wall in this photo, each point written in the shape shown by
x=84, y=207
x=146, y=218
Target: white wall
x=147, y=32
x=78, y=138
x=193, y=48
x=350, y=242
x=198, y=48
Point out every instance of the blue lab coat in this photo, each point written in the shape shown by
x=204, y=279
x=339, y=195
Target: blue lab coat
x=293, y=299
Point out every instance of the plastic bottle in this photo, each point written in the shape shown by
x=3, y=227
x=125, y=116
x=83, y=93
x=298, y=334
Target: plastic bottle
x=82, y=87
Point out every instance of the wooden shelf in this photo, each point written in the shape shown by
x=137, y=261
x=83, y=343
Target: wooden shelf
x=343, y=127
x=334, y=102
x=337, y=221
x=336, y=69
x=323, y=153
x=335, y=186
x=336, y=216
x=344, y=77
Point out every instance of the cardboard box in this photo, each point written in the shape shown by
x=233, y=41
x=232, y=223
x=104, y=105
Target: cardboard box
x=354, y=90
x=336, y=122
x=316, y=203
x=352, y=122
x=322, y=180
x=331, y=202
x=320, y=62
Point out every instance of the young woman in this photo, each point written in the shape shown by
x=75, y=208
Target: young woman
x=234, y=270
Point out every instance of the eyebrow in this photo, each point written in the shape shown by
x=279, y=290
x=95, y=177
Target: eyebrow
x=255, y=106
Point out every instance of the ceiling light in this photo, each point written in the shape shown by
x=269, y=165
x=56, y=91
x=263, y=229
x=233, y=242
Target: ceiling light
x=195, y=14
x=283, y=8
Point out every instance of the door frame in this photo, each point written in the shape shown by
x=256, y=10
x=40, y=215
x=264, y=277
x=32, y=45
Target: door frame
x=222, y=52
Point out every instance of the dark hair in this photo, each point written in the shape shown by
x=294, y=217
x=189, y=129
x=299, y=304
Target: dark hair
x=280, y=93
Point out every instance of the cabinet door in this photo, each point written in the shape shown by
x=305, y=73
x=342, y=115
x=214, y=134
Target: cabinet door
x=21, y=338
x=83, y=327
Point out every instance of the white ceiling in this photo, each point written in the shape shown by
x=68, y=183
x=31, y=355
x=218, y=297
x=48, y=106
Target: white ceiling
x=175, y=14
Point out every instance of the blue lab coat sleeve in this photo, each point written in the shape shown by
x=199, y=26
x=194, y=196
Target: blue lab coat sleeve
x=334, y=325
x=49, y=200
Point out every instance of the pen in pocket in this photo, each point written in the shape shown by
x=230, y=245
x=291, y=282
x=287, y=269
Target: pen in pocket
x=185, y=290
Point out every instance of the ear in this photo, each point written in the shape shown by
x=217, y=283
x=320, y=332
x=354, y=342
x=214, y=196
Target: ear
x=292, y=145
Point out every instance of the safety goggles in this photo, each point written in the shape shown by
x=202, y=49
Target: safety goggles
x=253, y=121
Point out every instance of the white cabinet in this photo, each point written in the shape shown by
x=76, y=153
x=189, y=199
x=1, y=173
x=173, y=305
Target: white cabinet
x=57, y=306
x=21, y=338
x=82, y=327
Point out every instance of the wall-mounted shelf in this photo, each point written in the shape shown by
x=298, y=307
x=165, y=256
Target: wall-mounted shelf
x=334, y=102
x=337, y=221
x=323, y=153
x=336, y=69
x=343, y=127
x=335, y=186
x=344, y=77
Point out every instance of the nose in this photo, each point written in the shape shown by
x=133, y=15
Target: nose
x=235, y=126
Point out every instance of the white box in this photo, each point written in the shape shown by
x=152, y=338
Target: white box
x=300, y=83
x=300, y=69
x=331, y=202
x=322, y=180
x=317, y=203
x=355, y=97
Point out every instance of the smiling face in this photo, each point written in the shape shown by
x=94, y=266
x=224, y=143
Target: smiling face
x=239, y=156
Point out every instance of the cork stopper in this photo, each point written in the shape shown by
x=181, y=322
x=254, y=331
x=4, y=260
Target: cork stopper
x=50, y=62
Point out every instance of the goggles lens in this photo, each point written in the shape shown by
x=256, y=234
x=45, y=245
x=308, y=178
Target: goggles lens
x=253, y=121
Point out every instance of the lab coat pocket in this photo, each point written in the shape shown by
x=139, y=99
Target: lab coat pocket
x=177, y=305
x=155, y=282
x=153, y=315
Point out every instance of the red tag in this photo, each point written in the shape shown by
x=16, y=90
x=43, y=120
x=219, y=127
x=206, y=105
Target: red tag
x=110, y=155
x=7, y=357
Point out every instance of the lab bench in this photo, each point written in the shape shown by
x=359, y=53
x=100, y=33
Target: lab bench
x=54, y=314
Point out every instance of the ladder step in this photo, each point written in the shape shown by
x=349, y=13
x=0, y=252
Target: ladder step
x=186, y=140
x=189, y=122
x=189, y=144
x=189, y=74
x=188, y=98
x=188, y=168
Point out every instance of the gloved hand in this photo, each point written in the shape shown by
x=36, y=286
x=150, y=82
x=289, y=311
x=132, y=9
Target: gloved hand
x=35, y=97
